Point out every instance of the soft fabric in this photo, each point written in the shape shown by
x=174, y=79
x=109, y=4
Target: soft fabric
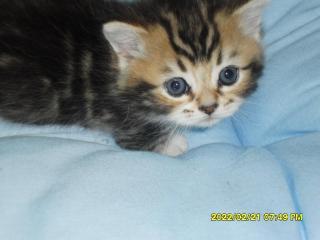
x=73, y=184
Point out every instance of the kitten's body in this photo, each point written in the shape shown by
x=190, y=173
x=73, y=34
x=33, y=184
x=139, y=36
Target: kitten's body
x=57, y=66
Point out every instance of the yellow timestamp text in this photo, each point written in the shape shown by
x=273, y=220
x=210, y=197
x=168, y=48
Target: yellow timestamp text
x=256, y=217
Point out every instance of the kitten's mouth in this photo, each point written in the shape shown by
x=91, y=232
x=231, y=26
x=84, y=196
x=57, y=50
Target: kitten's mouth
x=209, y=121
x=213, y=118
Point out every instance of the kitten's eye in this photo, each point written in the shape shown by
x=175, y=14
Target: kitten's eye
x=177, y=87
x=229, y=76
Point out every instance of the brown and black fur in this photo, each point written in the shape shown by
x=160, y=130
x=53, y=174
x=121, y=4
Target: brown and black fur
x=57, y=67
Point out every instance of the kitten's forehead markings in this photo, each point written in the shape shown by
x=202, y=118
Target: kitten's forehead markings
x=198, y=41
x=181, y=65
x=220, y=57
x=209, y=40
x=170, y=24
x=215, y=40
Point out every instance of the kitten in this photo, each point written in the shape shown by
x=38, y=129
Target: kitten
x=141, y=70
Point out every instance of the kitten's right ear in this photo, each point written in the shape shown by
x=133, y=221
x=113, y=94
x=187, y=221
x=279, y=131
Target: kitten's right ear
x=125, y=39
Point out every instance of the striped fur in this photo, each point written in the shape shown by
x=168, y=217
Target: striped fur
x=61, y=62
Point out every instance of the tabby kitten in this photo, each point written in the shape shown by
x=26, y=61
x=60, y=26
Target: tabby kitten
x=141, y=70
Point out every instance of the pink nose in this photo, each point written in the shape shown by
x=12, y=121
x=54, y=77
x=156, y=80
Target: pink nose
x=209, y=109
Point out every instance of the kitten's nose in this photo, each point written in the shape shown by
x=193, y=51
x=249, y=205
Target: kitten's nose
x=209, y=109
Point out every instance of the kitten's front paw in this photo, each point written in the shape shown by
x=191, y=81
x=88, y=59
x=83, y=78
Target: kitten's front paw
x=175, y=146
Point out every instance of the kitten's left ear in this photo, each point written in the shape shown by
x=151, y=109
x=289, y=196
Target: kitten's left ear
x=126, y=39
x=250, y=16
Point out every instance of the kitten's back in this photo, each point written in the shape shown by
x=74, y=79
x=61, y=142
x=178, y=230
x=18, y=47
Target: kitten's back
x=47, y=50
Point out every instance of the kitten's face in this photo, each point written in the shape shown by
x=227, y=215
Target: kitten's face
x=201, y=68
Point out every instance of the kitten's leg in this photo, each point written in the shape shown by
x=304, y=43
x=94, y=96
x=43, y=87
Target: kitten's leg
x=175, y=146
x=152, y=139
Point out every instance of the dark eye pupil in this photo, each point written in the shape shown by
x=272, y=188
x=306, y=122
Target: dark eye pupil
x=229, y=76
x=176, y=87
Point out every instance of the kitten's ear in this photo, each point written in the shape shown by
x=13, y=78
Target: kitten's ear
x=250, y=16
x=125, y=39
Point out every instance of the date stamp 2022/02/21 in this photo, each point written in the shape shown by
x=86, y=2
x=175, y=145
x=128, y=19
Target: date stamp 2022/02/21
x=256, y=217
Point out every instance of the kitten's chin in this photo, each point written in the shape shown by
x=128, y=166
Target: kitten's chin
x=207, y=123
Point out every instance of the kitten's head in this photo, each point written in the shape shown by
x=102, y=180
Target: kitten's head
x=189, y=62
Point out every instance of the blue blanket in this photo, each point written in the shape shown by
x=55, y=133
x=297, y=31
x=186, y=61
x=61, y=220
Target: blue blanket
x=74, y=184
